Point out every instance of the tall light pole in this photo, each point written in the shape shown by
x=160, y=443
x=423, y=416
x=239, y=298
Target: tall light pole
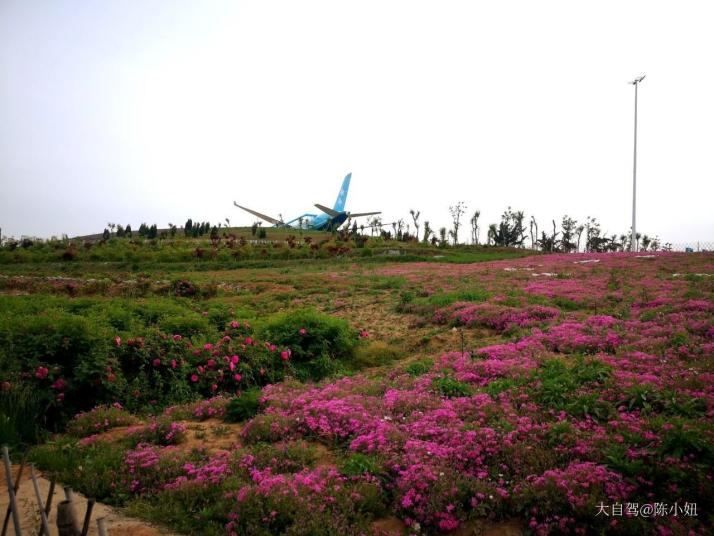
x=633, y=239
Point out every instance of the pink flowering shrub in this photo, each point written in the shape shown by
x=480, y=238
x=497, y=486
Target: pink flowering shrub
x=148, y=467
x=497, y=317
x=158, y=431
x=566, y=500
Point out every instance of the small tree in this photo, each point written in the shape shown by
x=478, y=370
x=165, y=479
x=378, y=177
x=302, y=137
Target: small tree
x=456, y=211
x=579, y=232
x=127, y=230
x=510, y=232
x=534, y=232
x=105, y=234
x=120, y=231
x=568, y=225
x=549, y=243
x=491, y=234
x=442, y=237
x=474, y=227
x=428, y=231
x=152, y=232
x=415, y=217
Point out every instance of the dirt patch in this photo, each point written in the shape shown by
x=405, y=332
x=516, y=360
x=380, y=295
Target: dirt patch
x=210, y=435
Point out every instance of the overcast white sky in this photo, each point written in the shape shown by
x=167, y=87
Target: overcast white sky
x=157, y=111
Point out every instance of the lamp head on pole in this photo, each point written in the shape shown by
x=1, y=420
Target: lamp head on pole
x=638, y=80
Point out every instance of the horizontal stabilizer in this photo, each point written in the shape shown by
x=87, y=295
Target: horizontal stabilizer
x=261, y=216
x=358, y=214
x=328, y=211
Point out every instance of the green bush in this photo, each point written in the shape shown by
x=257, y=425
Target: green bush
x=243, y=407
x=451, y=387
x=417, y=368
x=316, y=341
x=358, y=464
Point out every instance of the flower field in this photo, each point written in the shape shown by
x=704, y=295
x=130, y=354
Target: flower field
x=558, y=394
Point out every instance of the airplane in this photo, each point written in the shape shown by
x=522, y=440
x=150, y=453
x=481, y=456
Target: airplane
x=329, y=220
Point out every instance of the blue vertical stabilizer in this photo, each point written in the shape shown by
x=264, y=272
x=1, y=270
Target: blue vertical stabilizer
x=342, y=196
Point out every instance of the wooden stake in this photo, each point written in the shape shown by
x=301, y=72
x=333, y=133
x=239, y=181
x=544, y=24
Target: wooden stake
x=43, y=514
x=66, y=519
x=87, y=517
x=11, y=492
x=8, y=510
x=48, y=504
x=102, y=526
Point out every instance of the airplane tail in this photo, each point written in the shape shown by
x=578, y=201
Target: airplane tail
x=342, y=196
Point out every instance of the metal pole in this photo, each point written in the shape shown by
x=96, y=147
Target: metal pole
x=633, y=242
x=11, y=492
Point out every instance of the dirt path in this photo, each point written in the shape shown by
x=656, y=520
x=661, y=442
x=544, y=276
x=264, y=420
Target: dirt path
x=117, y=523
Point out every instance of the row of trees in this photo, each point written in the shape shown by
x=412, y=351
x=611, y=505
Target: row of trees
x=512, y=231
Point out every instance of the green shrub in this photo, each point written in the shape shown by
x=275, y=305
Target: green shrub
x=417, y=368
x=358, y=464
x=243, y=407
x=188, y=324
x=315, y=340
x=450, y=387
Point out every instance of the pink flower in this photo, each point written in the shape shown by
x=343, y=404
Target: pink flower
x=41, y=373
x=59, y=384
x=177, y=337
x=200, y=369
x=207, y=346
x=363, y=334
x=117, y=341
x=194, y=378
x=211, y=363
x=248, y=341
x=235, y=359
x=237, y=377
x=285, y=355
x=157, y=362
x=173, y=364
x=214, y=387
x=302, y=331
x=235, y=325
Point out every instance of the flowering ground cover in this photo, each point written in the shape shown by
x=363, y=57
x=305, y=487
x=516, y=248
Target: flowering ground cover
x=565, y=394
